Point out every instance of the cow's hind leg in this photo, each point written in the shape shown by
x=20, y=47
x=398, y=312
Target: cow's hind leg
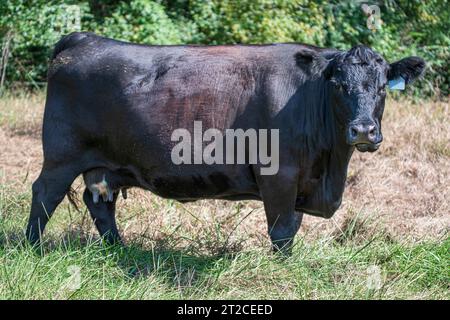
x=104, y=215
x=48, y=191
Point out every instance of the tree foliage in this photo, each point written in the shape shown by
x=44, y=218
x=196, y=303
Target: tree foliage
x=409, y=27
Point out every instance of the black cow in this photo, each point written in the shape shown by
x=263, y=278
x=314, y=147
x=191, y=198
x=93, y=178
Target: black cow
x=112, y=106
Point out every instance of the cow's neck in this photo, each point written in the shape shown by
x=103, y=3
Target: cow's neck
x=336, y=171
x=323, y=140
x=338, y=160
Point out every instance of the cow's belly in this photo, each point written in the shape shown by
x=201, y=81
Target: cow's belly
x=194, y=182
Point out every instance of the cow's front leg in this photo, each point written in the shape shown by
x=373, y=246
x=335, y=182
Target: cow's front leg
x=279, y=195
x=103, y=212
x=282, y=229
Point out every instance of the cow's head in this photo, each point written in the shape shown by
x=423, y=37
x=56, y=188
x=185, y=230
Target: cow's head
x=357, y=81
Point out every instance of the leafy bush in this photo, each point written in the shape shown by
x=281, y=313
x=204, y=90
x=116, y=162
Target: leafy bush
x=409, y=27
x=36, y=26
x=141, y=21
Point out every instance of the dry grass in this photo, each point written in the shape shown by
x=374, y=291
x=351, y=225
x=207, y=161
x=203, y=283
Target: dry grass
x=403, y=189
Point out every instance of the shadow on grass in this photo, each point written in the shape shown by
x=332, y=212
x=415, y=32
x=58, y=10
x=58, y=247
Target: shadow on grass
x=178, y=267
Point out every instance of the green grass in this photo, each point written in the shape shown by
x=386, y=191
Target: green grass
x=328, y=268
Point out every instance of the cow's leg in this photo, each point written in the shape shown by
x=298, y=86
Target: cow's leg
x=279, y=195
x=282, y=229
x=104, y=215
x=49, y=190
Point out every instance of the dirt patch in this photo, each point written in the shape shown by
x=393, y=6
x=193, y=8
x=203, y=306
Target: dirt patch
x=20, y=157
x=402, y=189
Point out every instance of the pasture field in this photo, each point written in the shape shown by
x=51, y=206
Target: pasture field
x=389, y=240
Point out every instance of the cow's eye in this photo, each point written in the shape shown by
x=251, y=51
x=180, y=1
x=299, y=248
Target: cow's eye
x=338, y=85
x=342, y=87
x=382, y=90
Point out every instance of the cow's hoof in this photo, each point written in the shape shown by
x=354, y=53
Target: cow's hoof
x=282, y=248
x=112, y=241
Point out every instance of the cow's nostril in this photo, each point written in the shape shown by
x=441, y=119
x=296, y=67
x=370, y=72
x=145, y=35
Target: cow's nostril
x=372, y=131
x=353, y=132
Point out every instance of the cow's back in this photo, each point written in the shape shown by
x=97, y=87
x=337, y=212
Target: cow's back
x=110, y=86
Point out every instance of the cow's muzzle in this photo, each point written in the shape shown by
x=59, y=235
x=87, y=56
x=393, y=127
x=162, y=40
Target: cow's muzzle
x=364, y=136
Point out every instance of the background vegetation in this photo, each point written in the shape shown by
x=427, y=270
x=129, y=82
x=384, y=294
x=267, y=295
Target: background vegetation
x=29, y=29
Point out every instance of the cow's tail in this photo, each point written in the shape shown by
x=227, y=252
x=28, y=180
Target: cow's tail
x=69, y=41
x=72, y=195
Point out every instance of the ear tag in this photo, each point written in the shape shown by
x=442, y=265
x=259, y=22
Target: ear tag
x=397, y=84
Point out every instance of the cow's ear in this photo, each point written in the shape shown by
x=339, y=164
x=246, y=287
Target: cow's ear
x=408, y=68
x=310, y=61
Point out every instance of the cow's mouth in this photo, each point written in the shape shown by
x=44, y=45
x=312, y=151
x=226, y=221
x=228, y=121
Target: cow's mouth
x=367, y=147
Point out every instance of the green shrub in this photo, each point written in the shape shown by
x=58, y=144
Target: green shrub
x=141, y=21
x=258, y=21
x=36, y=26
x=410, y=27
